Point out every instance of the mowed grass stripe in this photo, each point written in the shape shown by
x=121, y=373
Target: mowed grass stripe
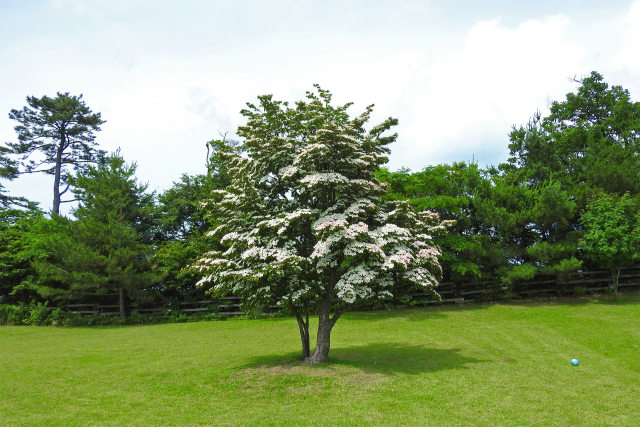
x=471, y=365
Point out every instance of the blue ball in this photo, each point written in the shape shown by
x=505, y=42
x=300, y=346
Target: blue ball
x=575, y=362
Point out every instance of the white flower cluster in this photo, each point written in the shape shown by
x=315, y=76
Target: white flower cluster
x=282, y=223
x=353, y=284
x=309, y=152
x=390, y=234
x=215, y=231
x=216, y=261
x=297, y=294
x=402, y=258
x=349, y=138
x=361, y=248
x=422, y=240
x=430, y=254
x=322, y=248
x=230, y=237
x=361, y=206
x=288, y=171
x=370, y=185
x=331, y=222
x=421, y=277
x=429, y=217
x=355, y=230
x=324, y=178
x=205, y=280
x=267, y=254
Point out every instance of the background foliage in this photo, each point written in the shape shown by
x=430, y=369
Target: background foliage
x=566, y=199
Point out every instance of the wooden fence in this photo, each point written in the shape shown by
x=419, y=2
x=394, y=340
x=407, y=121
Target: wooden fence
x=575, y=284
x=580, y=283
x=228, y=306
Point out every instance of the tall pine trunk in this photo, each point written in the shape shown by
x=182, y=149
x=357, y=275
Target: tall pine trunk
x=56, y=177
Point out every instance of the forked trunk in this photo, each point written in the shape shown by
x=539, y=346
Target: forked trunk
x=323, y=341
x=303, y=325
x=325, y=324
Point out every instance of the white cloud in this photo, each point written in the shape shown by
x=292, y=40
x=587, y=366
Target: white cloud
x=170, y=77
x=627, y=56
x=470, y=98
x=77, y=6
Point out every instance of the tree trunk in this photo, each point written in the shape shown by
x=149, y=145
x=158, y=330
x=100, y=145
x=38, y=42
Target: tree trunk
x=615, y=278
x=123, y=312
x=323, y=340
x=303, y=325
x=325, y=325
x=56, y=178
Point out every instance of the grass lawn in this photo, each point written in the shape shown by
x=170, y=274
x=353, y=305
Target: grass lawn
x=502, y=364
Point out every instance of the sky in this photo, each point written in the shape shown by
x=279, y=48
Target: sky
x=168, y=76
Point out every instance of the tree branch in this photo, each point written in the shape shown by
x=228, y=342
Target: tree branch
x=37, y=165
x=40, y=171
x=65, y=190
x=337, y=315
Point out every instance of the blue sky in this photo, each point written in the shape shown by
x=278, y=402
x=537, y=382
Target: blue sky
x=168, y=76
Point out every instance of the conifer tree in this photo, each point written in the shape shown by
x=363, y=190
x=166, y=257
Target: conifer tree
x=104, y=250
x=8, y=171
x=55, y=134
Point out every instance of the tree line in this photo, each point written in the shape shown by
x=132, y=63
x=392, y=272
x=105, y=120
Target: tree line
x=120, y=238
x=566, y=199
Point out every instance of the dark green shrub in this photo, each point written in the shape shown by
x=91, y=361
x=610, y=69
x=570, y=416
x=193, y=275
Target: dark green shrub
x=140, y=319
x=41, y=314
x=37, y=314
x=14, y=314
x=55, y=317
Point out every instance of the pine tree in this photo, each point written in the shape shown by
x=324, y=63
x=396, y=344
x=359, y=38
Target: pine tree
x=104, y=250
x=113, y=223
x=55, y=134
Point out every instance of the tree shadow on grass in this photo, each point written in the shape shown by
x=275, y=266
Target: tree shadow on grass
x=417, y=313
x=382, y=358
x=395, y=358
x=626, y=298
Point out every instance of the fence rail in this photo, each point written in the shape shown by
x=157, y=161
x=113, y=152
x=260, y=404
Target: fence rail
x=450, y=292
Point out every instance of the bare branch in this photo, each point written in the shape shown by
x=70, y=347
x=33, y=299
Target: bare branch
x=65, y=190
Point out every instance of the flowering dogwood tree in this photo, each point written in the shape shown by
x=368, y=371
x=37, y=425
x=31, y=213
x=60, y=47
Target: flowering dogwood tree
x=302, y=224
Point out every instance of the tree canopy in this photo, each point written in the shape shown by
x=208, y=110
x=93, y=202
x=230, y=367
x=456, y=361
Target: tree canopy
x=588, y=142
x=523, y=218
x=55, y=134
x=612, y=233
x=301, y=214
x=302, y=224
x=104, y=249
x=8, y=171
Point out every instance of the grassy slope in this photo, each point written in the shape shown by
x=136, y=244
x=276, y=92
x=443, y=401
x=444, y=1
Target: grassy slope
x=495, y=364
